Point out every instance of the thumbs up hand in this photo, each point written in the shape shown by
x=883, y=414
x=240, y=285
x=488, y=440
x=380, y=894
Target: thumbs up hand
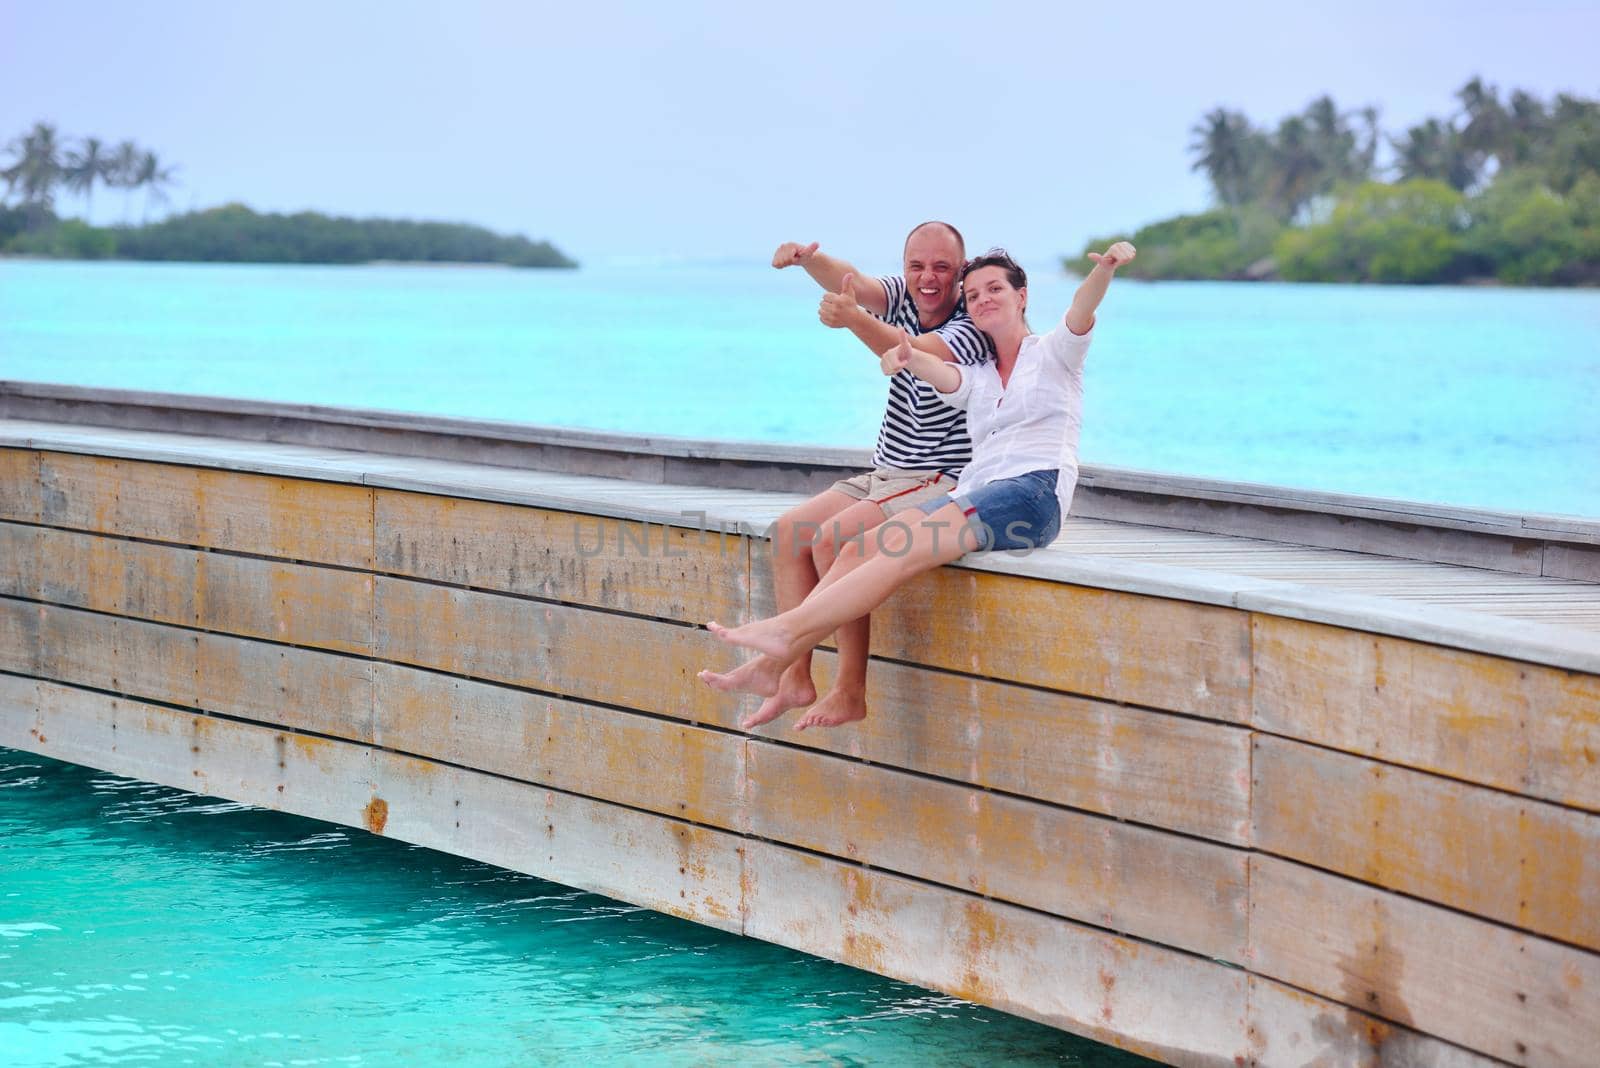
x=898, y=357
x=837, y=308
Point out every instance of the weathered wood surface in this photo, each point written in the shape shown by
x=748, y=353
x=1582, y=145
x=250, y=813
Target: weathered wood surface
x=1148, y=767
x=1180, y=1009
x=1292, y=1027
x=1173, y=890
x=1162, y=654
x=1567, y=618
x=1510, y=995
x=1117, y=760
x=19, y=560
x=292, y=519
x=1526, y=863
x=642, y=568
x=1519, y=727
x=19, y=485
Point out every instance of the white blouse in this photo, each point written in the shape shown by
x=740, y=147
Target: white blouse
x=1031, y=423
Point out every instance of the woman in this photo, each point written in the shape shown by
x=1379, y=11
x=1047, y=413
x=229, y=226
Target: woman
x=1024, y=412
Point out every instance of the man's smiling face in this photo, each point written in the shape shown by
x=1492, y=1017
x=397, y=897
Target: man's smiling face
x=932, y=268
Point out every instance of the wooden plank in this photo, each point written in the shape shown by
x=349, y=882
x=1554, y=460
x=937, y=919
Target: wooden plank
x=19, y=636
x=287, y=518
x=19, y=711
x=107, y=574
x=1163, y=770
x=644, y=568
x=159, y=502
x=257, y=765
x=126, y=656
x=21, y=499
x=1293, y=1029
x=1180, y=1009
x=1572, y=562
x=662, y=864
x=321, y=607
x=559, y=649
x=1526, y=863
x=1162, y=887
x=1516, y=726
x=663, y=766
x=19, y=560
x=1503, y=993
x=284, y=686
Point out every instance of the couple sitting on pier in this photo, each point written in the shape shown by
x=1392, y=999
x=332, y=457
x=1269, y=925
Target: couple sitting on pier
x=954, y=335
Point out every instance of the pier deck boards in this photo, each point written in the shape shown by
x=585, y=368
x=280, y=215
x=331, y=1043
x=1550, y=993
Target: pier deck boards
x=1543, y=619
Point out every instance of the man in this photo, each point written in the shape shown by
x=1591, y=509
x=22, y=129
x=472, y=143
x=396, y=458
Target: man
x=922, y=447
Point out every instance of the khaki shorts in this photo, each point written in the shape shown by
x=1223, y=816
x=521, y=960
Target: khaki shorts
x=896, y=490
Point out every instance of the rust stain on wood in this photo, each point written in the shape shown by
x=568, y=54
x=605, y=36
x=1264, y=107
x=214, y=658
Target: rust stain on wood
x=376, y=815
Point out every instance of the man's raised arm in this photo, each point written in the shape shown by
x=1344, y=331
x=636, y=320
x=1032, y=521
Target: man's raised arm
x=844, y=310
x=829, y=273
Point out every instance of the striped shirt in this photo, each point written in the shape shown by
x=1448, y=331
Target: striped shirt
x=919, y=431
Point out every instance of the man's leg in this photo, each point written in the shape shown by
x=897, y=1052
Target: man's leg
x=794, y=575
x=862, y=585
x=846, y=702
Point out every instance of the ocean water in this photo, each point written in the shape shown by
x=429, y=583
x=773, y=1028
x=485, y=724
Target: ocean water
x=1477, y=397
x=141, y=925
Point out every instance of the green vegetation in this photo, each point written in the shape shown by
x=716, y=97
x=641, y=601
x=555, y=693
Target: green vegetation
x=41, y=165
x=1501, y=190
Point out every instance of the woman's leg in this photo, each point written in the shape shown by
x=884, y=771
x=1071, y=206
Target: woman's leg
x=794, y=575
x=795, y=687
x=887, y=563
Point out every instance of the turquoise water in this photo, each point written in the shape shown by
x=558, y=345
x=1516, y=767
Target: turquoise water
x=1480, y=397
x=143, y=925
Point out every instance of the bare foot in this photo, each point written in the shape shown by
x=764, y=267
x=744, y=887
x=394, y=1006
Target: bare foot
x=835, y=709
x=764, y=636
x=759, y=676
x=795, y=690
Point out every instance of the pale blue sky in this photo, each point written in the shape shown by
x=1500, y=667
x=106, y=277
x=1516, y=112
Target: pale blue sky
x=713, y=130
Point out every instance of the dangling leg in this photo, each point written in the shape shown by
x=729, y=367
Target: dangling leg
x=795, y=687
x=934, y=541
x=794, y=575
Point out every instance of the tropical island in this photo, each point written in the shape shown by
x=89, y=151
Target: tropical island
x=1504, y=191
x=43, y=165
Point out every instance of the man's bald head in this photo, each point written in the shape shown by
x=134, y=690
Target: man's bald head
x=936, y=225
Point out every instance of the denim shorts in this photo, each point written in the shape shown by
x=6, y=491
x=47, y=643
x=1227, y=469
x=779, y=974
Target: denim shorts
x=1011, y=513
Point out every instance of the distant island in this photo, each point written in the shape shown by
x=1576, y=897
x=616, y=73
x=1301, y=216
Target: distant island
x=41, y=165
x=1502, y=191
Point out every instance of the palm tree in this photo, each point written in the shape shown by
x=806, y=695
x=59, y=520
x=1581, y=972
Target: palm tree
x=1488, y=127
x=36, y=168
x=1297, y=166
x=1530, y=126
x=1371, y=136
x=1334, y=142
x=155, y=179
x=86, y=165
x=1435, y=150
x=1225, y=146
x=122, y=172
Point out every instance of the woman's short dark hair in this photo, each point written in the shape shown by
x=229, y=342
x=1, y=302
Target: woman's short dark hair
x=998, y=257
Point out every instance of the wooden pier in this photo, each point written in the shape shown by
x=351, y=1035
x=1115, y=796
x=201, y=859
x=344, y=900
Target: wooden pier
x=1229, y=775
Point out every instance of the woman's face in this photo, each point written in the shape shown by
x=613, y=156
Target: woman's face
x=992, y=301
